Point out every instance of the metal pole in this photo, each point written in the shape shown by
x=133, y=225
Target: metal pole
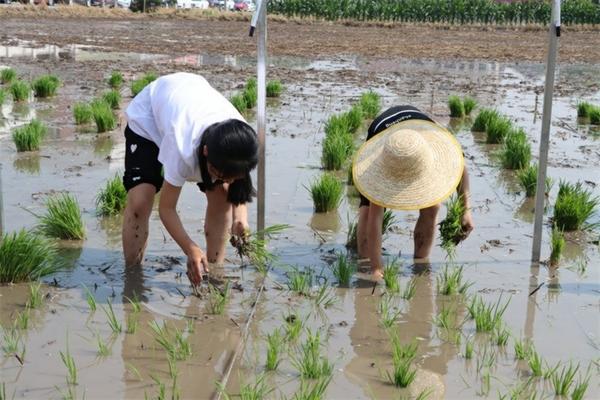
x=1, y=205
x=259, y=21
x=545, y=138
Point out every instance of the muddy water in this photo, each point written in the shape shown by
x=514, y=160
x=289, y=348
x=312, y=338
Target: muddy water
x=561, y=319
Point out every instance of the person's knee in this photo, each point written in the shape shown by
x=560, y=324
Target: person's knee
x=139, y=208
x=429, y=214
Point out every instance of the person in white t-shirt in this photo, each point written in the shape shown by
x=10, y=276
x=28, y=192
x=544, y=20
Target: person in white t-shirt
x=180, y=129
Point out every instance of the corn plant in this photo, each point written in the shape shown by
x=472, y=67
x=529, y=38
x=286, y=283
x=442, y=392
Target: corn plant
x=483, y=118
x=69, y=363
x=390, y=276
x=450, y=282
x=35, y=295
x=274, y=88
x=343, y=269
x=115, y=80
x=528, y=179
x=326, y=193
x=26, y=256
x=469, y=104
x=19, y=90
x=487, y=316
x=112, y=98
x=562, y=382
x=45, y=86
x=451, y=231
x=238, y=102
x=113, y=321
x=63, y=219
x=516, y=152
x=82, y=112
x=217, y=299
x=456, y=106
x=370, y=104
x=7, y=75
x=139, y=84
x=574, y=206
x=309, y=362
x=557, y=242
x=29, y=137
x=300, y=282
x=112, y=198
x=274, y=350
x=103, y=116
x=497, y=129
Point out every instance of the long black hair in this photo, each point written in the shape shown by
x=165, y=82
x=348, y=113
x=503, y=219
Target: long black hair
x=233, y=151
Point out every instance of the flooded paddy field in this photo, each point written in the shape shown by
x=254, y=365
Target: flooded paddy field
x=560, y=319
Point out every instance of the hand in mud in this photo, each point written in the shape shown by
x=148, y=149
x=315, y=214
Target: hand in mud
x=240, y=234
x=466, y=225
x=197, y=266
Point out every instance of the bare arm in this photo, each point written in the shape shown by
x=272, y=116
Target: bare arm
x=374, y=237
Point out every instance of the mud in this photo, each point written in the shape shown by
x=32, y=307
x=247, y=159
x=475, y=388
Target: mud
x=561, y=318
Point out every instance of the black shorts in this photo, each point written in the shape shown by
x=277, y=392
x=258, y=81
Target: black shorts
x=141, y=162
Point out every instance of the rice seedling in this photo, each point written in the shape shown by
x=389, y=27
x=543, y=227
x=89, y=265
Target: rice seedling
x=115, y=80
x=324, y=296
x=501, y=335
x=516, y=152
x=63, y=218
x=103, y=349
x=326, y=193
x=29, y=137
x=487, y=316
x=337, y=125
x=35, y=295
x=274, y=88
x=2, y=96
x=557, y=244
x=250, y=96
x=402, y=351
x=91, y=300
x=136, y=306
x=487, y=359
x=390, y=276
x=237, y=100
x=112, y=98
x=45, y=86
x=583, y=109
x=521, y=350
x=483, y=118
x=22, y=319
x=456, y=106
x=450, y=282
x=562, y=382
x=217, y=299
x=254, y=247
x=409, y=290
x=580, y=388
x=316, y=391
x=139, y=84
x=574, y=206
x=26, y=256
x=335, y=152
x=191, y=326
x=251, y=83
x=300, y=281
x=497, y=129
x=293, y=328
x=354, y=118
x=103, y=116
x=528, y=179
x=370, y=104
x=535, y=362
x=19, y=90
x=274, y=350
x=468, y=353
x=7, y=75
x=310, y=363
x=176, y=345
x=69, y=363
x=11, y=338
x=343, y=269
x=402, y=373
x=113, y=321
x=451, y=231
x=82, y=112
x=595, y=116
x=549, y=371
x=469, y=105
x=485, y=384
x=388, y=222
x=250, y=391
x=132, y=324
x=112, y=198
x=389, y=314
x=173, y=370
x=446, y=318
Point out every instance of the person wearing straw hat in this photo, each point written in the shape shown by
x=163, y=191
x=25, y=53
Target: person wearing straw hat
x=409, y=162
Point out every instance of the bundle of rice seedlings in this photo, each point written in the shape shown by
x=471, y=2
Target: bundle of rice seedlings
x=250, y=96
x=557, y=243
x=497, y=129
x=336, y=150
x=238, y=102
x=254, y=247
x=7, y=75
x=370, y=104
x=112, y=198
x=2, y=96
x=595, y=116
x=343, y=269
x=528, y=179
x=251, y=83
x=456, y=106
x=63, y=219
x=19, y=90
x=274, y=88
x=354, y=117
x=103, y=116
x=115, y=80
x=583, y=109
x=139, y=84
x=26, y=256
x=451, y=231
x=574, y=206
x=112, y=98
x=469, y=104
x=45, y=86
x=483, y=118
x=326, y=193
x=337, y=125
x=29, y=137
x=82, y=112
x=516, y=152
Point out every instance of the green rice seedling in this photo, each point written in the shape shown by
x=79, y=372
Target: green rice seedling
x=456, y=106
x=352, y=235
x=2, y=96
x=335, y=152
x=35, y=295
x=91, y=300
x=310, y=363
x=250, y=391
x=535, y=362
x=487, y=359
x=324, y=296
x=409, y=290
x=469, y=105
x=521, y=350
x=103, y=116
x=468, y=354
x=22, y=319
x=113, y=98
x=326, y=193
x=485, y=384
x=237, y=100
x=103, y=349
x=483, y=118
x=595, y=116
x=370, y=104
x=580, y=388
x=274, y=350
x=583, y=109
x=112, y=198
x=388, y=222
x=487, y=316
x=402, y=351
x=45, y=86
x=26, y=256
x=528, y=179
x=450, y=282
x=574, y=206
x=63, y=218
x=300, y=281
x=29, y=137
x=254, y=247
x=217, y=299
x=501, y=335
x=115, y=80
x=250, y=96
x=7, y=75
x=139, y=84
x=11, y=338
x=557, y=244
x=136, y=306
x=132, y=324
x=390, y=276
x=82, y=112
x=113, y=321
x=402, y=373
x=343, y=269
x=173, y=370
x=354, y=117
x=337, y=125
x=562, y=382
x=451, y=231
x=251, y=83
x=175, y=344
x=549, y=371
x=498, y=129
x=274, y=88
x=293, y=328
x=389, y=314
x=516, y=152
x=314, y=391
x=19, y=90
x=446, y=318
x=69, y=362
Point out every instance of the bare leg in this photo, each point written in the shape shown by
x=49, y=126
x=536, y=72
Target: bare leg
x=362, y=243
x=217, y=223
x=135, y=222
x=425, y=231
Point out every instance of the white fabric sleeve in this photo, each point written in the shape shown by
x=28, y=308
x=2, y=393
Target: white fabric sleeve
x=173, y=166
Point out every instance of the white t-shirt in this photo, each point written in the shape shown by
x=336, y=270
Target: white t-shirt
x=173, y=112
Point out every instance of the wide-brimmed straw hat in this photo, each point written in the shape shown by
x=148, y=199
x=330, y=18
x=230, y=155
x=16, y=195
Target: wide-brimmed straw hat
x=411, y=165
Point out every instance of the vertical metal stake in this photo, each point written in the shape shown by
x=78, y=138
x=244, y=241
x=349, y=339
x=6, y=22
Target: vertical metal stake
x=261, y=118
x=1, y=205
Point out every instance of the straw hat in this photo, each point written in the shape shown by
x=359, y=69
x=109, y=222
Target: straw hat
x=411, y=165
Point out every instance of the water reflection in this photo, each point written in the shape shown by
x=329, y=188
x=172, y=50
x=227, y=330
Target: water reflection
x=27, y=163
x=326, y=223
x=103, y=145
